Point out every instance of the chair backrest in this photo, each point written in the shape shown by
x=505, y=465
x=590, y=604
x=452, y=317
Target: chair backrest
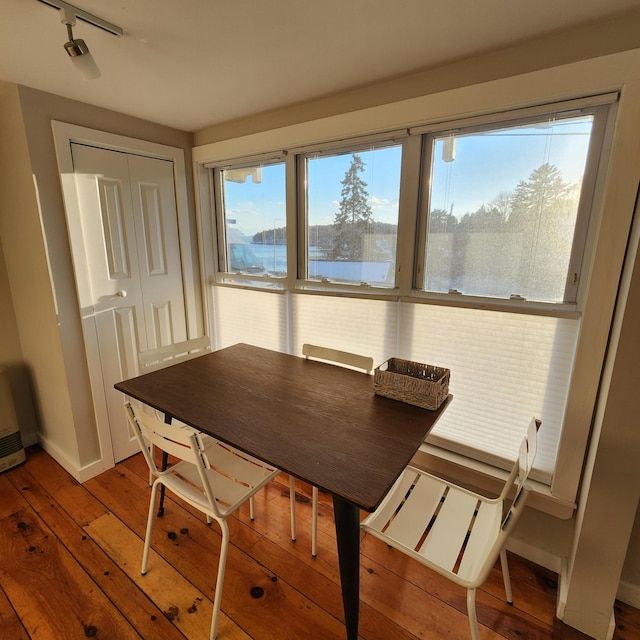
x=342, y=357
x=211, y=475
x=172, y=353
x=522, y=467
x=477, y=568
x=181, y=442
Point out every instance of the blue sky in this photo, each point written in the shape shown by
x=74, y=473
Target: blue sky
x=490, y=163
x=485, y=165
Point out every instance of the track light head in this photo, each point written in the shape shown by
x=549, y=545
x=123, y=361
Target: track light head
x=78, y=50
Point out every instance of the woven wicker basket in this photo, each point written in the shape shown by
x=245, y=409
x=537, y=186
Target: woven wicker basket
x=419, y=384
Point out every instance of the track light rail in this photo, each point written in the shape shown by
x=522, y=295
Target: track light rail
x=85, y=16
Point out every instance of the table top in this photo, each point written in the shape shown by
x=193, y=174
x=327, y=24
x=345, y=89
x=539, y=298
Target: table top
x=321, y=423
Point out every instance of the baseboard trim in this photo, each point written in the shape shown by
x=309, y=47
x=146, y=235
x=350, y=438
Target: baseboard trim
x=629, y=594
x=534, y=554
x=80, y=473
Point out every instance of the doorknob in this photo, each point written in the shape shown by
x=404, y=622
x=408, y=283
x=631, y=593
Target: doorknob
x=107, y=298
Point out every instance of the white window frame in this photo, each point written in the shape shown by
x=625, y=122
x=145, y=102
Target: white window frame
x=579, y=260
x=223, y=275
x=354, y=145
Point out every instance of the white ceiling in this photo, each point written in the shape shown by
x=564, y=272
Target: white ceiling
x=197, y=63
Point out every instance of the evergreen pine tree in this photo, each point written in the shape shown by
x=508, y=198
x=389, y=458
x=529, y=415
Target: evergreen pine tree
x=354, y=220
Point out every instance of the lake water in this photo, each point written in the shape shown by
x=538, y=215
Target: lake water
x=274, y=259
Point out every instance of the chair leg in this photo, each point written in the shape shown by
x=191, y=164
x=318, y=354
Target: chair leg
x=150, y=520
x=292, y=501
x=152, y=452
x=252, y=513
x=471, y=613
x=217, y=594
x=505, y=576
x=314, y=522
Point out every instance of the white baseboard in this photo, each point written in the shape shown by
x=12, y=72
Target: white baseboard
x=629, y=594
x=80, y=473
x=534, y=554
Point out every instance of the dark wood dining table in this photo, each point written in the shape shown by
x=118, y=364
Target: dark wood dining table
x=318, y=422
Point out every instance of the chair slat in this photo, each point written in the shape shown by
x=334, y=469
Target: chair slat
x=411, y=521
x=448, y=533
x=484, y=533
x=341, y=357
x=236, y=464
x=175, y=441
x=172, y=353
x=227, y=492
x=382, y=515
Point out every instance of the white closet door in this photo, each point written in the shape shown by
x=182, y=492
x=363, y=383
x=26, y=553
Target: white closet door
x=129, y=227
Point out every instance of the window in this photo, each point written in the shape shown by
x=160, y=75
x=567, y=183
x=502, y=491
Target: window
x=503, y=207
x=352, y=215
x=251, y=208
x=460, y=244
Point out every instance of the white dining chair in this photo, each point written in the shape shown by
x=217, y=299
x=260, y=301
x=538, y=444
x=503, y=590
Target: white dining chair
x=167, y=355
x=456, y=532
x=345, y=358
x=164, y=356
x=216, y=479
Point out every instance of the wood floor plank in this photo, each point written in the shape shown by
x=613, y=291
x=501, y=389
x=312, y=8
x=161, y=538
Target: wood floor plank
x=189, y=609
x=319, y=588
x=275, y=614
x=627, y=622
x=72, y=496
x=538, y=603
x=51, y=594
x=10, y=624
x=90, y=536
x=143, y=615
x=12, y=500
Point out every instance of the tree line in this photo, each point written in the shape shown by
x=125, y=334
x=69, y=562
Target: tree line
x=539, y=208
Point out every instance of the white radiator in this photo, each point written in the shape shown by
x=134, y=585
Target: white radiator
x=11, y=449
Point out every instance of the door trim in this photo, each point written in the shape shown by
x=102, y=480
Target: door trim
x=64, y=134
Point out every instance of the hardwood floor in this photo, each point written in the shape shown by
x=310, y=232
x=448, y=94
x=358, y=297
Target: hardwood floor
x=70, y=568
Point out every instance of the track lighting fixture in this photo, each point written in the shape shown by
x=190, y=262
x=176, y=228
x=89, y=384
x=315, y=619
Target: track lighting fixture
x=79, y=52
x=77, y=49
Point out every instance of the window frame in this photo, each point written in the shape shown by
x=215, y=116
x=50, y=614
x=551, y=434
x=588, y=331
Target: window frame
x=575, y=283
x=342, y=147
x=414, y=206
x=222, y=273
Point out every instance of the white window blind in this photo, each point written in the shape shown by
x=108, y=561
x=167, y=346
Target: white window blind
x=367, y=327
x=505, y=369
x=249, y=316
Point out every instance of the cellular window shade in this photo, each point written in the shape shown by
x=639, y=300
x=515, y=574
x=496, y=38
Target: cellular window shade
x=367, y=327
x=249, y=316
x=505, y=369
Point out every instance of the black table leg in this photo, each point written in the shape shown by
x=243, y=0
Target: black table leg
x=347, y=517
x=165, y=462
